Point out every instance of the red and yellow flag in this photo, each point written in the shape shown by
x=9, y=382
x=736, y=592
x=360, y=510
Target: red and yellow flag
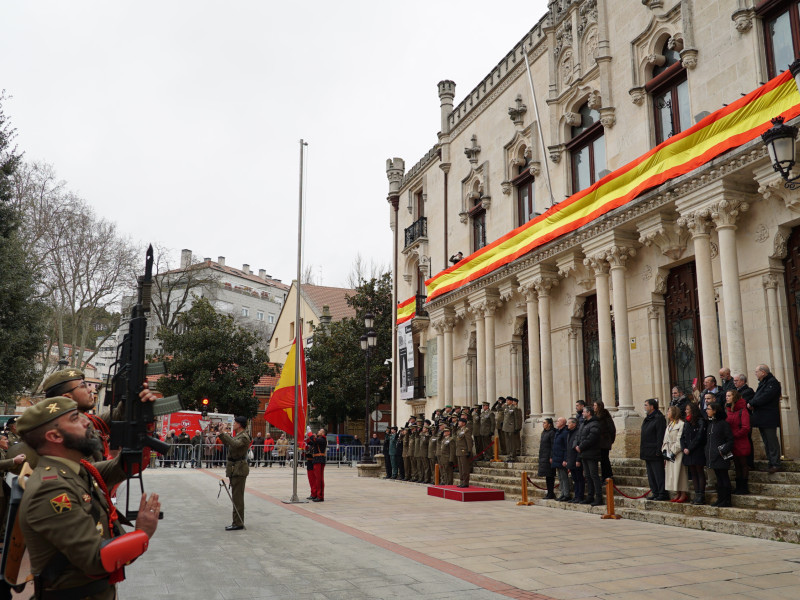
x=280, y=410
x=406, y=310
x=727, y=128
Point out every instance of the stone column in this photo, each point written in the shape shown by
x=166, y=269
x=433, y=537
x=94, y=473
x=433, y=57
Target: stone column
x=617, y=256
x=698, y=225
x=440, y=393
x=514, y=354
x=491, y=370
x=468, y=379
x=600, y=266
x=448, y=361
x=572, y=333
x=534, y=362
x=480, y=346
x=724, y=214
x=655, y=350
x=543, y=285
x=777, y=352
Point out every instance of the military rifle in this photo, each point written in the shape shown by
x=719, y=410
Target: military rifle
x=134, y=435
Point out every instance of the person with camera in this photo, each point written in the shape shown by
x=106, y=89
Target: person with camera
x=676, y=478
x=719, y=446
x=236, y=467
x=654, y=426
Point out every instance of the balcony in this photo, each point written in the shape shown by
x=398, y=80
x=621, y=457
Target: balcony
x=418, y=229
x=421, y=311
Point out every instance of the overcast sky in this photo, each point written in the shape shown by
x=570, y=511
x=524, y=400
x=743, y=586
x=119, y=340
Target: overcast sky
x=181, y=120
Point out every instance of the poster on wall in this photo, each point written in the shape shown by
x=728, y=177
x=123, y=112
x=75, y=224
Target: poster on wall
x=405, y=351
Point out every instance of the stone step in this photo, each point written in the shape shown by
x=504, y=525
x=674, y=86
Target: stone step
x=781, y=477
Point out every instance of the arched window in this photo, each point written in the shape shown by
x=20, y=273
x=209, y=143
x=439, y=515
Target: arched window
x=587, y=149
x=670, y=92
x=523, y=183
x=478, y=217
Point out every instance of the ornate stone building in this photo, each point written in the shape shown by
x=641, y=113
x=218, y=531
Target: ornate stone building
x=620, y=298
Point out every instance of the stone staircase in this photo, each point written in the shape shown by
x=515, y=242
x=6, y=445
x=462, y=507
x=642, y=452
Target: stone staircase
x=771, y=510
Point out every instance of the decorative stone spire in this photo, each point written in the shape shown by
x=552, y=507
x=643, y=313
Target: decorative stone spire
x=447, y=91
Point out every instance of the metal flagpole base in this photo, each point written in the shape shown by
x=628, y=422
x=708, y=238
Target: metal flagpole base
x=294, y=500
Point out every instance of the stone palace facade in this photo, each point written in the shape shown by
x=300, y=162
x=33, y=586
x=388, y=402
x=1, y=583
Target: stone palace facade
x=698, y=272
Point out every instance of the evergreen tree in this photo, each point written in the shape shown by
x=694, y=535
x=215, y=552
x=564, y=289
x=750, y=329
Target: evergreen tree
x=22, y=318
x=336, y=364
x=209, y=356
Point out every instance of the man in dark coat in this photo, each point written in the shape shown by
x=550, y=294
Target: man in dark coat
x=588, y=449
x=726, y=382
x=573, y=462
x=559, y=458
x=653, y=428
x=740, y=384
x=679, y=399
x=387, y=463
x=765, y=406
x=546, y=457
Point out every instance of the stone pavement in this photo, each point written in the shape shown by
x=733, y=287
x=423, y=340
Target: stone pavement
x=383, y=539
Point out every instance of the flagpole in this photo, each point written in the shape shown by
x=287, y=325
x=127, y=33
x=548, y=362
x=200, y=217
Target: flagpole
x=297, y=333
x=538, y=126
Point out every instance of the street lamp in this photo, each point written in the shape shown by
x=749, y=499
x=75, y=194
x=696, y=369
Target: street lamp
x=368, y=342
x=780, y=141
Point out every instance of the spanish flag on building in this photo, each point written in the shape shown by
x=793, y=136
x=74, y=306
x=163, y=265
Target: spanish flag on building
x=280, y=410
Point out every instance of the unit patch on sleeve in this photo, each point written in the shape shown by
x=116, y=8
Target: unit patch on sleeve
x=61, y=503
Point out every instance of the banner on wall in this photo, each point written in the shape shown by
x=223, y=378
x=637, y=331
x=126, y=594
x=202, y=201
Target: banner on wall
x=405, y=352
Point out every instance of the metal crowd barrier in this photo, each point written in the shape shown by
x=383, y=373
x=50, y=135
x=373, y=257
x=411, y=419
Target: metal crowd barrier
x=208, y=456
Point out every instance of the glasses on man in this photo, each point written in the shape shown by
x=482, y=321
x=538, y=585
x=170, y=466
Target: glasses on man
x=82, y=384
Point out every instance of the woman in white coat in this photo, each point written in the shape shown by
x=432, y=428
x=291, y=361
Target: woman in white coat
x=677, y=479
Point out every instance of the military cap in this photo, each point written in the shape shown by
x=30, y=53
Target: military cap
x=45, y=411
x=11, y=421
x=486, y=403
x=241, y=420
x=462, y=419
x=448, y=406
x=60, y=377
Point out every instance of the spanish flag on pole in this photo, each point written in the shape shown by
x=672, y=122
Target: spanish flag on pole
x=280, y=410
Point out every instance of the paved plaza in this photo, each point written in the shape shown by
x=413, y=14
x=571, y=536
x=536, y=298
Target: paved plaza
x=384, y=539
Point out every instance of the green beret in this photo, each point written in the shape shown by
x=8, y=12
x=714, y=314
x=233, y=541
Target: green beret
x=45, y=411
x=60, y=377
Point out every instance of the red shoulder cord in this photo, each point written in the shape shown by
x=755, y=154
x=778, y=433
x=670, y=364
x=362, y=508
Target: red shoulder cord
x=103, y=431
x=119, y=574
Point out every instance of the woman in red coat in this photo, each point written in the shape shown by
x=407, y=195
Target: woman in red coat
x=739, y=420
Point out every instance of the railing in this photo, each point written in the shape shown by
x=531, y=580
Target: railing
x=416, y=230
x=209, y=456
x=421, y=310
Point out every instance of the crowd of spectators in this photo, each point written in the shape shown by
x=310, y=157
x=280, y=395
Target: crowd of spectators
x=702, y=432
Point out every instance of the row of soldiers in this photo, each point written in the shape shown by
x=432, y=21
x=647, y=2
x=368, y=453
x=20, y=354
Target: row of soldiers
x=453, y=436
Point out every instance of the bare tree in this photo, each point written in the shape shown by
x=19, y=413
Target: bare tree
x=173, y=287
x=362, y=271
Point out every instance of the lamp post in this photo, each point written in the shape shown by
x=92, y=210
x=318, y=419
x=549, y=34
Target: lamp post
x=780, y=141
x=368, y=342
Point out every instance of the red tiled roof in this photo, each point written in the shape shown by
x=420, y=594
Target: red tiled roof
x=319, y=295
x=210, y=264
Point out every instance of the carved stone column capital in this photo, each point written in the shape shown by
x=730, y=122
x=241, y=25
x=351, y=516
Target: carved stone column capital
x=743, y=19
x=770, y=281
x=617, y=256
x=544, y=284
x=725, y=212
x=697, y=222
x=597, y=263
x=447, y=324
x=528, y=290
x=490, y=307
x=653, y=312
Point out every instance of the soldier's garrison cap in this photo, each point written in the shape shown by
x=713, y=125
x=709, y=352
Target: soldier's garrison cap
x=45, y=411
x=60, y=377
x=241, y=420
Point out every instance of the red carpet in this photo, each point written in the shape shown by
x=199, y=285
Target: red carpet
x=470, y=494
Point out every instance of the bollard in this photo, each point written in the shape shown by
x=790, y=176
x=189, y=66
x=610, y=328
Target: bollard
x=524, y=501
x=610, y=501
x=436, y=474
x=496, y=450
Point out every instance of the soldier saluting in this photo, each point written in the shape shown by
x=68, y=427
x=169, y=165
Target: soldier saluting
x=236, y=468
x=77, y=547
